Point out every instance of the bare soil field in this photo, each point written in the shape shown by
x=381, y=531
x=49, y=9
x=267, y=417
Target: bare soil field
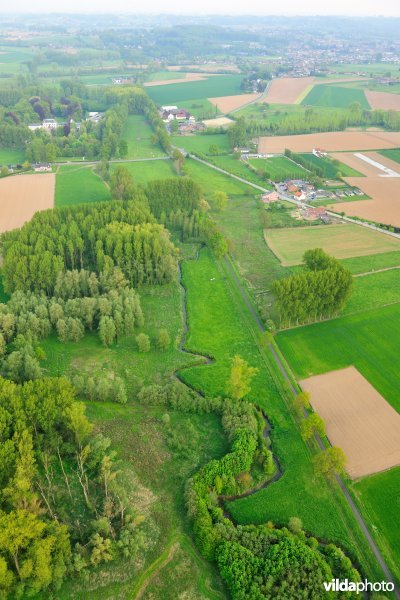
x=334, y=141
x=367, y=169
x=228, y=103
x=218, y=122
x=286, y=90
x=358, y=420
x=384, y=206
x=23, y=195
x=188, y=77
x=384, y=100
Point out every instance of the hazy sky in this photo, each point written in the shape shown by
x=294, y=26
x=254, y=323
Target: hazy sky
x=228, y=7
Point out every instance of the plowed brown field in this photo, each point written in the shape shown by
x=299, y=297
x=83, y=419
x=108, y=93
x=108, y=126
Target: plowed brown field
x=228, y=103
x=384, y=100
x=358, y=420
x=286, y=90
x=23, y=195
x=334, y=141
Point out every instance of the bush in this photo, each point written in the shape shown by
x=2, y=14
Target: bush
x=143, y=342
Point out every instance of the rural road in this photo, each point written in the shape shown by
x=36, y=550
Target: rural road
x=339, y=480
x=115, y=160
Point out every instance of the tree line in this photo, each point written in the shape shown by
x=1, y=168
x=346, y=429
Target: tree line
x=321, y=290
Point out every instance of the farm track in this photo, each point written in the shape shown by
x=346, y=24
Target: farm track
x=289, y=380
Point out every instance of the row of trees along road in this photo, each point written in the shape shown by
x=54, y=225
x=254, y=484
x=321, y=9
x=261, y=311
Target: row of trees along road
x=319, y=291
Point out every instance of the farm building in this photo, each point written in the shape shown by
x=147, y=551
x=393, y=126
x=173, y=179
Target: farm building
x=270, y=197
x=42, y=168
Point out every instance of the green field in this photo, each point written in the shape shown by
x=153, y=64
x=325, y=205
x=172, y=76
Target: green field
x=335, y=96
x=367, y=340
x=202, y=143
x=365, y=264
x=138, y=133
x=11, y=156
x=379, y=495
x=342, y=241
x=75, y=185
x=371, y=291
x=214, y=181
x=218, y=85
x=221, y=327
x=330, y=168
x=165, y=75
x=393, y=153
x=201, y=108
x=145, y=171
x=279, y=168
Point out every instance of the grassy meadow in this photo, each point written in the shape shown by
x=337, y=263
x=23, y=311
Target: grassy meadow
x=279, y=168
x=342, y=241
x=202, y=143
x=138, y=134
x=9, y=156
x=77, y=184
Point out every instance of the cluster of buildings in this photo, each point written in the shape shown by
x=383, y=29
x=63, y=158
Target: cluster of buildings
x=186, y=122
x=311, y=213
x=302, y=191
x=51, y=124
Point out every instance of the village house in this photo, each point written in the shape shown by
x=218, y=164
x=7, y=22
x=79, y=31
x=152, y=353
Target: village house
x=170, y=113
x=42, y=167
x=314, y=213
x=270, y=197
x=49, y=124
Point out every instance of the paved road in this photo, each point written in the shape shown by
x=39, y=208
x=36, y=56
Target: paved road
x=339, y=480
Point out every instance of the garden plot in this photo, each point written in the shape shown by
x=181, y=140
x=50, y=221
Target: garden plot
x=358, y=420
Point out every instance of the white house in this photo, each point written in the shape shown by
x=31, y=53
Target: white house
x=49, y=124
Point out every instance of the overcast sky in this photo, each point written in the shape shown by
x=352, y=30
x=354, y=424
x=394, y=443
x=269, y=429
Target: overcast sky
x=228, y=7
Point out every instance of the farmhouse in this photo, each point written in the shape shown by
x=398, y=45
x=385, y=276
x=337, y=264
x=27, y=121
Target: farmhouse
x=42, y=167
x=170, y=113
x=270, y=197
x=313, y=213
x=47, y=124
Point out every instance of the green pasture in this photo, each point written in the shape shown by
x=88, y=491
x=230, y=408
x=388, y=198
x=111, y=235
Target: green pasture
x=279, y=168
x=77, y=184
x=330, y=168
x=174, y=93
x=201, y=108
x=335, y=96
x=10, y=156
x=144, y=171
x=371, y=291
x=214, y=181
x=139, y=136
x=201, y=142
x=342, y=241
x=379, y=496
x=373, y=262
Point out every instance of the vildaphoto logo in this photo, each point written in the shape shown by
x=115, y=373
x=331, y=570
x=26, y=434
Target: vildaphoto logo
x=337, y=585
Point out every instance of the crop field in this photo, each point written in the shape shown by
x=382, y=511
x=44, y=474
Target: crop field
x=384, y=206
x=346, y=341
x=342, y=241
x=337, y=141
x=335, y=96
x=330, y=169
x=279, y=168
x=368, y=164
x=358, y=420
x=392, y=153
x=23, y=195
x=383, y=100
x=9, y=156
x=226, y=104
x=75, y=185
x=373, y=262
x=373, y=290
x=219, y=85
x=202, y=143
x=286, y=90
x=138, y=134
x=180, y=78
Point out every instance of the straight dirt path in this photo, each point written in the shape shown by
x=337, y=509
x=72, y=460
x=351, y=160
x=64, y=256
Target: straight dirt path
x=293, y=390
